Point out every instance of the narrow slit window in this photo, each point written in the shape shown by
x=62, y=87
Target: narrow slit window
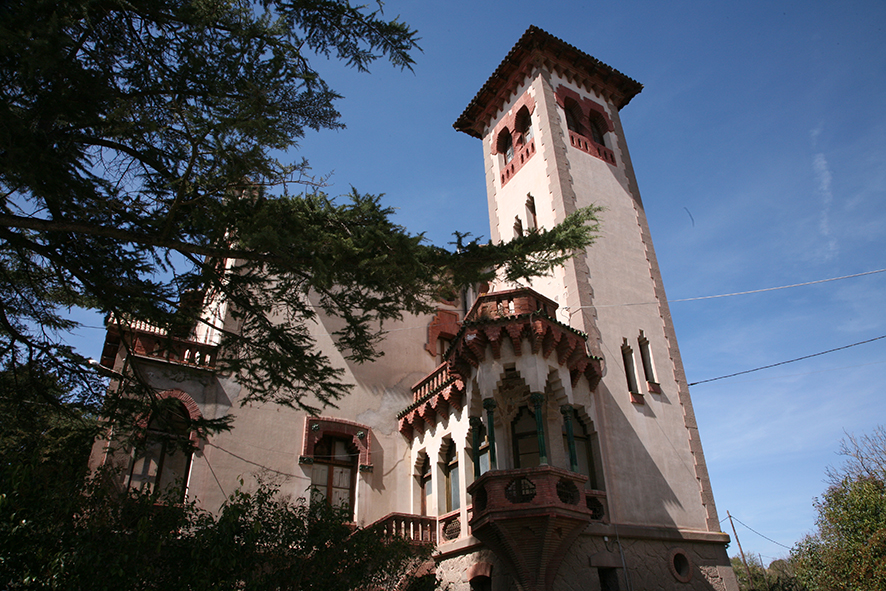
x=646, y=358
x=531, y=217
x=627, y=355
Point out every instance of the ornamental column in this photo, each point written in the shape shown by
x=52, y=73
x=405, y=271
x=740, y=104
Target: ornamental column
x=489, y=405
x=567, y=411
x=537, y=398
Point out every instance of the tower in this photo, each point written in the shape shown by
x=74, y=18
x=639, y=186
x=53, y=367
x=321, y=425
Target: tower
x=549, y=122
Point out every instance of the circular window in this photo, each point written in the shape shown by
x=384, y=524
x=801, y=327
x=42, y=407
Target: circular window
x=680, y=565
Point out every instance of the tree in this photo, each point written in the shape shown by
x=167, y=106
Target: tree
x=56, y=525
x=137, y=154
x=779, y=576
x=848, y=550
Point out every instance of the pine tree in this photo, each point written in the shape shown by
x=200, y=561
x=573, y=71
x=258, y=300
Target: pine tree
x=138, y=151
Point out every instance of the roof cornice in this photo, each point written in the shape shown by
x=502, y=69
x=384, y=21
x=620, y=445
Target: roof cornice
x=537, y=48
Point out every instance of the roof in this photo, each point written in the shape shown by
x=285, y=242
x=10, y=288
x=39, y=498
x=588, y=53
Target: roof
x=538, y=47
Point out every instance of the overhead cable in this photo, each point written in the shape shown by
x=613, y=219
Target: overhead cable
x=732, y=375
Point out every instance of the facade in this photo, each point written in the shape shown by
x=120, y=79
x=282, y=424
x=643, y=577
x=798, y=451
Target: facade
x=541, y=436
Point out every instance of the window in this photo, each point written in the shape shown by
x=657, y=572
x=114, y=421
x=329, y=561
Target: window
x=627, y=355
x=162, y=463
x=597, y=128
x=334, y=472
x=450, y=472
x=572, y=112
x=518, y=226
x=424, y=480
x=525, y=429
x=524, y=125
x=646, y=358
x=584, y=452
x=482, y=455
x=506, y=145
x=530, y=212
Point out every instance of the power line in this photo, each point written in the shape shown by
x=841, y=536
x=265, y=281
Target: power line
x=758, y=533
x=736, y=293
x=726, y=295
x=732, y=375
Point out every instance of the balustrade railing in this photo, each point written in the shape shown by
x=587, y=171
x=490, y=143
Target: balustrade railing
x=431, y=382
x=503, y=304
x=418, y=529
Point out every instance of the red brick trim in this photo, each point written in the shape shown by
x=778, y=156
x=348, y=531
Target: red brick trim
x=445, y=324
x=317, y=427
x=589, y=109
x=524, y=149
x=193, y=410
x=189, y=404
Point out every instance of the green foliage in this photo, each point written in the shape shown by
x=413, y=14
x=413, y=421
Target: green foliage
x=258, y=541
x=139, y=149
x=848, y=550
x=779, y=576
x=63, y=531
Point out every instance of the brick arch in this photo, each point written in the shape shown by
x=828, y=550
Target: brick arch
x=318, y=427
x=586, y=105
x=185, y=398
x=509, y=121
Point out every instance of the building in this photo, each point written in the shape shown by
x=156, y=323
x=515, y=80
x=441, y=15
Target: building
x=541, y=436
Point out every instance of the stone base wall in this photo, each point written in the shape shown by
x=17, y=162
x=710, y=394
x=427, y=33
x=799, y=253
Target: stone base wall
x=652, y=565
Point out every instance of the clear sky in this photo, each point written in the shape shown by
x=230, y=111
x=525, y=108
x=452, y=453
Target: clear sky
x=759, y=144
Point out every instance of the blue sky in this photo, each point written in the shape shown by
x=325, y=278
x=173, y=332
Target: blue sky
x=759, y=143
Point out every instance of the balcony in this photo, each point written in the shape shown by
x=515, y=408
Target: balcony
x=530, y=516
x=591, y=147
x=147, y=340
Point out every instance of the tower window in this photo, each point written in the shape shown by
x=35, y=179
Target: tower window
x=596, y=128
x=518, y=226
x=506, y=145
x=627, y=355
x=530, y=212
x=587, y=123
x=646, y=358
x=524, y=125
x=572, y=118
x=334, y=472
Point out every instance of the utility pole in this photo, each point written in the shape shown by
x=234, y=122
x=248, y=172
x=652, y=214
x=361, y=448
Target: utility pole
x=740, y=551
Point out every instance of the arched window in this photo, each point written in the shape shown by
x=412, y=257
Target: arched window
x=505, y=145
x=334, y=472
x=584, y=452
x=597, y=126
x=524, y=125
x=525, y=430
x=573, y=113
x=450, y=473
x=162, y=463
x=425, y=484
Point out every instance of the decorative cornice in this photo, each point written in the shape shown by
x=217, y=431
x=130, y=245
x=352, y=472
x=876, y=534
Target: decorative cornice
x=539, y=48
